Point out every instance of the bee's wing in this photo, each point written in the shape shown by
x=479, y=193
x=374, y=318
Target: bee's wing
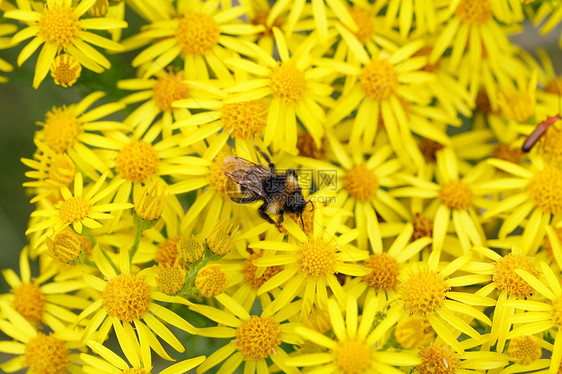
x=246, y=174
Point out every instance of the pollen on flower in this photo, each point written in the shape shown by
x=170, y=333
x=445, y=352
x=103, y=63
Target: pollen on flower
x=414, y=332
x=197, y=33
x=65, y=70
x=170, y=279
x=383, y=272
x=211, y=280
x=307, y=147
x=137, y=161
x=474, y=12
x=99, y=9
x=244, y=120
x=379, y=79
x=361, y=183
x=423, y=292
x=258, y=337
x=287, y=82
x=524, y=350
x=456, y=194
x=74, y=209
x=167, y=251
x=429, y=148
x=249, y=271
x=506, y=152
x=61, y=170
x=545, y=189
x=29, y=301
x=61, y=129
x=505, y=277
x=59, y=26
x=167, y=89
x=65, y=247
x=438, y=358
x=190, y=249
x=353, y=356
x=46, y=354
x=423, y=227
x=364, y=22
x=317, y=258
x=126, y=297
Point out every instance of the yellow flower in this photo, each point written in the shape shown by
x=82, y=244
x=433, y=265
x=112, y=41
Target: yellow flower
x=456, y=199
x=361, y=185
x=39, y=300
x=127, y=300
x=298, y=90
x=534, y=193
x=311, y=264
x=357, y=347
x=254, y=338
x=541, y=316
x=59, y=28
x=38, y=352
x=203, y=36
x=74, y=130
x=78, y=208
x=108, y=362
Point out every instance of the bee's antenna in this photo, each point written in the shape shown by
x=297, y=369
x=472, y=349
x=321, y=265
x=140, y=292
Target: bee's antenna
x=302, y=221
x=311, y=203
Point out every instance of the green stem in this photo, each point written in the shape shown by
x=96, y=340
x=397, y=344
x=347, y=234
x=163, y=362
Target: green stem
x=88, y=234
x=188, y=287
x=135, y=246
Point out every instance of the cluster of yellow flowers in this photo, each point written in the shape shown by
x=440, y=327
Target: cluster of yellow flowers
x=431, y=244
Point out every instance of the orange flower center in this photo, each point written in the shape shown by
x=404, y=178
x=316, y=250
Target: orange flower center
x=46, y=354
x=545, y=190
x=474, y=12
x=364, y=22
x=59, y=25
x=74, y=209
x=126, y=297
x=524, y=350
x=456, y=195
x=65, y=70
x=62, y=128
x=423, y=292
x=414, y=332
x=379, y=79
x=30, y=302
x=317, y=258
x=287, y=82
x=167, y=89
x=258, y=337
x=197, y=34
x=384, y=271
x=244, y=120
x=137, y=161
x=361, y=183
x=506, y=279
x=438, y=358
x=212, y=281
x=353, y=356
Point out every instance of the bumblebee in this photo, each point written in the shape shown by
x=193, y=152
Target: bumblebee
x=248, y=182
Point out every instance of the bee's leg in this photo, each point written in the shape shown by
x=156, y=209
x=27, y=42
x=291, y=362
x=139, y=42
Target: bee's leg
x=266, y=158
x=264, y=215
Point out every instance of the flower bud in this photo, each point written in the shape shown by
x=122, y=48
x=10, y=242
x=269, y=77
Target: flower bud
x=190, y=250
x=211, y=280
x=150, y=202
x=221, y=240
